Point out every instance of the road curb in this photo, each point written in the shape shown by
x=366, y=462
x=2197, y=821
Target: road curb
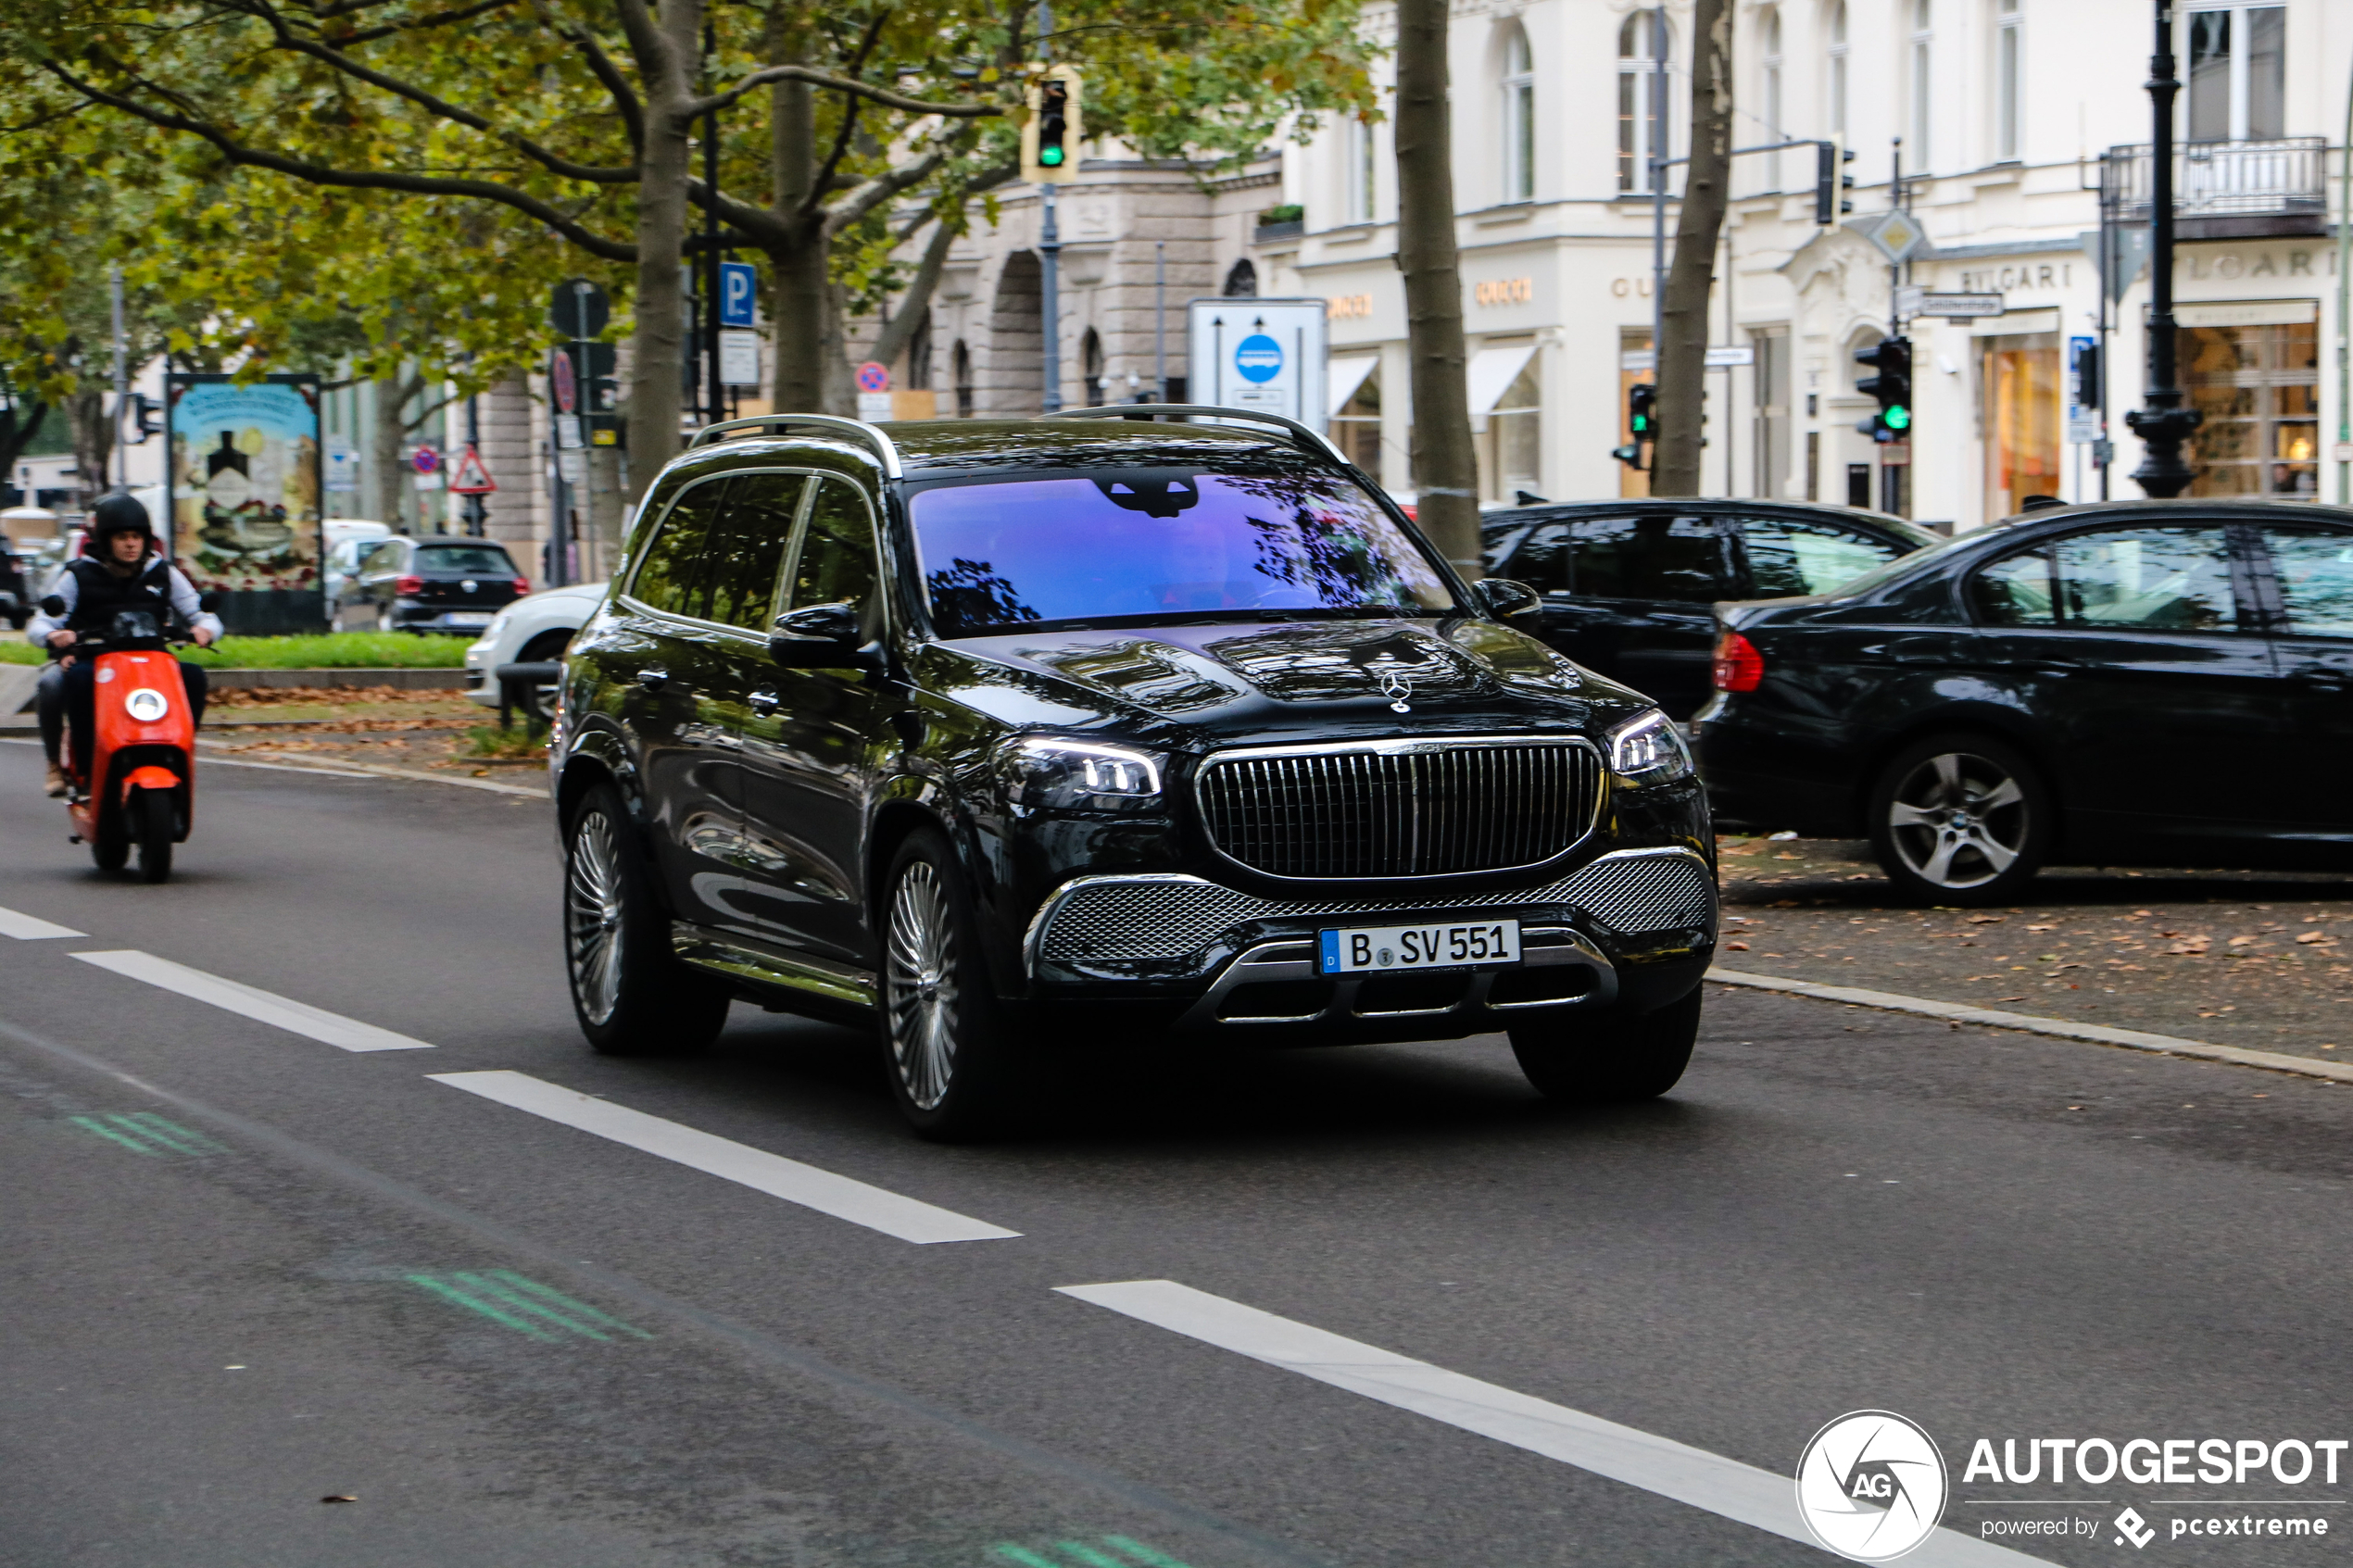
x=384, y=770
x=1961, y=1012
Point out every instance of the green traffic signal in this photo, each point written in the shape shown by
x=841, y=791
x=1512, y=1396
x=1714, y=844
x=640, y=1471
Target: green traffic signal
x=1897, y=418
x=1051, y=156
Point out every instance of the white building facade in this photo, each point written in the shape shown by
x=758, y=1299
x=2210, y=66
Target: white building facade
x=2018, y=121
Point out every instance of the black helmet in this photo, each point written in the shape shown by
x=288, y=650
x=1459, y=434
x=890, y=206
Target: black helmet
x=119, y=514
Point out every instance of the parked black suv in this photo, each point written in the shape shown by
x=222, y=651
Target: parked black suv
x=996, y=735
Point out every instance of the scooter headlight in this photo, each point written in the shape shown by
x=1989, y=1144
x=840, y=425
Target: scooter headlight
x=146, y=705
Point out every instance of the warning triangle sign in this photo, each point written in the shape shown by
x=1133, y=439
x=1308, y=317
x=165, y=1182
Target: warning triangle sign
x=469, y=477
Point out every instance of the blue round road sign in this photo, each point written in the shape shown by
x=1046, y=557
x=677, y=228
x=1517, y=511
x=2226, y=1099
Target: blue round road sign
x=1258, y=358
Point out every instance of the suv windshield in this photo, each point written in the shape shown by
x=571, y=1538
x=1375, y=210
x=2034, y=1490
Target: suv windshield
x=1136, y=545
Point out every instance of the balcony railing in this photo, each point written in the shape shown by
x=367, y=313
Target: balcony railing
x=2224, y=184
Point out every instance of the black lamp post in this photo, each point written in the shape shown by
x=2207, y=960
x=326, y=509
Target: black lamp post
x=2162, y=424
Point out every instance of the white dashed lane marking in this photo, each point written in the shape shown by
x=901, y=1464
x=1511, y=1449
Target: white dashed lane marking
x=251, y=1001
x=841, y=1196
x=1704, y=1480
x=27, y=928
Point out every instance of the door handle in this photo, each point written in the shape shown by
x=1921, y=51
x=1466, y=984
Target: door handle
x=765, y=703
x=652, y=676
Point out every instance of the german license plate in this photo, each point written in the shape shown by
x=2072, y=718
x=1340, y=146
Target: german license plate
x=467, y=618
x=1462, y=945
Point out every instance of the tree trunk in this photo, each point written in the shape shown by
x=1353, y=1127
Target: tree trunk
x=1448, y=479
x=666, y=64
x=800, y=262
x=92, y=440
x=386, y=475
x=916, y=304
x=1682, y=358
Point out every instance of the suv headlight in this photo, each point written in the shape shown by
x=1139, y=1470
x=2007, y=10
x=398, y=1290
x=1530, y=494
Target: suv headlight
x=1043, y=773
x=1647, y=749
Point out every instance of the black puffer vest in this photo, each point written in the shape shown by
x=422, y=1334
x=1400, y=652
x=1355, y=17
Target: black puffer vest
x=102, y=594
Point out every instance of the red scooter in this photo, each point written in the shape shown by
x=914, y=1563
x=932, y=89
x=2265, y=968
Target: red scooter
x=142, y=787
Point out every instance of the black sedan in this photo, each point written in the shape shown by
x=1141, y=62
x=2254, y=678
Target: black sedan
x=430, y=585
x=2133, y=683
x=1628, y=586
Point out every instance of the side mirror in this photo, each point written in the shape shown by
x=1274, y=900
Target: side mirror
x=53, y=606
x=1508, y=600
x=819, y=637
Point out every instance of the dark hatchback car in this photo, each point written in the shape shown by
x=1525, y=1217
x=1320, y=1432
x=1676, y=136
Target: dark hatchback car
x=2133, y=683
x=1630, y=586
x=1068, y=732
x=429, y=585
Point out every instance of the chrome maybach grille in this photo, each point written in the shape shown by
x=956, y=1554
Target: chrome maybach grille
x=1425, y=809
x=1633, y=893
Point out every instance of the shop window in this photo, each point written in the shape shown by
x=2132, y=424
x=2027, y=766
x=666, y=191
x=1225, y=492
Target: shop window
x=2238, y=73
x=1770, y=379
x=1638, y=112
x=2023, y=389
x=2257, y=393
x=1356, y=427
x=1519, y=117
x=1515, y=430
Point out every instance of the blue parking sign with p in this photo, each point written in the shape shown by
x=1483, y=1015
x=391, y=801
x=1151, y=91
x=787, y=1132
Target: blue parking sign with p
x=737, y=289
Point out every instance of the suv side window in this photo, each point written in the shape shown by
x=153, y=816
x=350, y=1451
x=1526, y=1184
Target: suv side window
x=1650, y=556
x=1789, y=555
x=1541, y=560
x=834, y=559
x=2314, y=570
x=747, y=550
x=670, y=574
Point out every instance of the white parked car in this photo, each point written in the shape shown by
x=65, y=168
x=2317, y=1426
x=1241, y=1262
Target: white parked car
x=533, y=630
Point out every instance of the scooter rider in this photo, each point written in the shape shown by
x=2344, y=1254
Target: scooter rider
x=117, y=574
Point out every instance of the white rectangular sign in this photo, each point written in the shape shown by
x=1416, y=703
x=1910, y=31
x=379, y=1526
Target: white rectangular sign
x=1265, y=354
x=739, y=356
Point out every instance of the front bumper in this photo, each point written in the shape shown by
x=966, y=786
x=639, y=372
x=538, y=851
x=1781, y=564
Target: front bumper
x=1637, y=926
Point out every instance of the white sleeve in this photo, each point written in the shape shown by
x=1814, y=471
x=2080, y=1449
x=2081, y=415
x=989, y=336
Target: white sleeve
x=185, y=604
x=66, y=586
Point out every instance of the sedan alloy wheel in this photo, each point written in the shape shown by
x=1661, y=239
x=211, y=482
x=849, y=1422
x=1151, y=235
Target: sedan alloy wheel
x=1960, y=820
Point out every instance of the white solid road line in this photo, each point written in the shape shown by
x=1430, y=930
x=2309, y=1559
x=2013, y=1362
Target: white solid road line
x=1720, y=1485
x=26, y=928
x=844, y=1199
x=266, y=1007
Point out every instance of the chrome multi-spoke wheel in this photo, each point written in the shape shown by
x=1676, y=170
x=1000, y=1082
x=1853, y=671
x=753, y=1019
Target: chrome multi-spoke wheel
x=631, y=993
x=1960, y=820
x=592, y=916
x=920, y=970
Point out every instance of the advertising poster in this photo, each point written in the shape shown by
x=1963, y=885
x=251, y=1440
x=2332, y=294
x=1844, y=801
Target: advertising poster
x=245, y=480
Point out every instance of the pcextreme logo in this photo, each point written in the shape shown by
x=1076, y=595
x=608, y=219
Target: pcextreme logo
x=1871, y=1485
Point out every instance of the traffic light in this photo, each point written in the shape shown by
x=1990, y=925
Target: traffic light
x=1891, y=357
x=146, y=420
x=1642, y=423
x=2087, y=375
x=1049, y=141
x=1832, y=182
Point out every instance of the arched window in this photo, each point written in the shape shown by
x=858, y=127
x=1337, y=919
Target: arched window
x=1358, y=176
x=961, y=361
x=2009, y=108
x=1242, y=282
x=919, y=354
x=1838, y=67
x=1639, y=110
x=1090, y=367
x=1769, y=35
x=1519, y=117
x=1923, y=78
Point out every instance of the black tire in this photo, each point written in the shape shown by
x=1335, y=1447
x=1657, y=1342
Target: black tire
x=1962, y=819
x=153, y=824
x=631, y=994
x=953, y=1066
x=1610, y=1059
x=111, y=847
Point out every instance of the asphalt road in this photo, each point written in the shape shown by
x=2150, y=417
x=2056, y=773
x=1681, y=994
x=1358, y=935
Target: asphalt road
x=247, y=1271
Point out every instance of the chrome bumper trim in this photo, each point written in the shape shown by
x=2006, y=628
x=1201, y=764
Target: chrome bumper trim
x=1541, y=947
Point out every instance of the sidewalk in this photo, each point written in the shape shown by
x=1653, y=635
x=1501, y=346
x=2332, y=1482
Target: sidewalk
x=2263, y=961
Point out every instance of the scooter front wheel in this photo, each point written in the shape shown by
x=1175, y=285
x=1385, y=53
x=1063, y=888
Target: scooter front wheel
x=154, y=823
x=109, y=845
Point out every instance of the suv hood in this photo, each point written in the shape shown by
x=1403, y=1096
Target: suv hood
x=1279, y=679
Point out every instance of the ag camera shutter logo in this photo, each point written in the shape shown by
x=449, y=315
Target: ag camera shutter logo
x=1258, y=358
x=1871, y=1485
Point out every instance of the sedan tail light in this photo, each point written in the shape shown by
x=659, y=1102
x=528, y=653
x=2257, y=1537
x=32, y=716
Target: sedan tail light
x=1739, y=667
x=408, y=586
x=522, y=585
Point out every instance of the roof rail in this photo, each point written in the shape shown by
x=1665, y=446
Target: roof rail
x=857, y=429
x=1313, y=440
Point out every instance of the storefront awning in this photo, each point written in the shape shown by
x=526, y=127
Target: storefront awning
x=1492, y=370
x=1342, y=377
